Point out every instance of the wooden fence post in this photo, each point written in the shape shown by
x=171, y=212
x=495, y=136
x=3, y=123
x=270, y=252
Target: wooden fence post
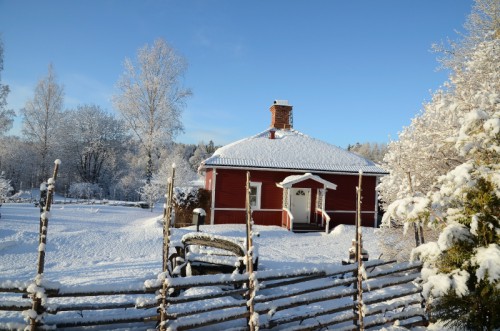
x=359, y=257
x=36, y=289
x=249, y=258
x=167, y=216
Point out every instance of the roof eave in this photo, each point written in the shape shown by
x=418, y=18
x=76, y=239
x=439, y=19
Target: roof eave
x=326, y=171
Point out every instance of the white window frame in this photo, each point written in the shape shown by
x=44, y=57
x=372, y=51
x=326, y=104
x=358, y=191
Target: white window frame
x=258, y=186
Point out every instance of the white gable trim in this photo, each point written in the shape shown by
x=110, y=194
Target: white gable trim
x=291, y=180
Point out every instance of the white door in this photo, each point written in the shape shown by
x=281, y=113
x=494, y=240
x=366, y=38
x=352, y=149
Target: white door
x=300, y=203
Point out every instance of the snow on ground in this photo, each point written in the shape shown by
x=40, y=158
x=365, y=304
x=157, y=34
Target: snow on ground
x=100, y=244
x=107, y=246
x=85, y=243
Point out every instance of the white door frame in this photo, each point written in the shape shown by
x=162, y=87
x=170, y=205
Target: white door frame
x=304, y=209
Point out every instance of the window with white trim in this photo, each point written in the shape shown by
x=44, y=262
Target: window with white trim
x=255, y=194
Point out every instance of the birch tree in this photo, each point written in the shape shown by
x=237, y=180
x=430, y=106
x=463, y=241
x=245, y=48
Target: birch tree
x=41, y=117
x=151, y=98
x=6, y=115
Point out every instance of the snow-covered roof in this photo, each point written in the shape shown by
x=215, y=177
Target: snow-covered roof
x=290, y=180
x=290, y=149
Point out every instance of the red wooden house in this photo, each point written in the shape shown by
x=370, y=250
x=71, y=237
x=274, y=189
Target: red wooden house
x=296, y=181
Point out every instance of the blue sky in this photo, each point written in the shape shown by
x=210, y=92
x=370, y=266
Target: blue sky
x=354, y=71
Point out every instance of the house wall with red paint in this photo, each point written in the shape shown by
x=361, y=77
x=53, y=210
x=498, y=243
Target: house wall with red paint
x=340, y=204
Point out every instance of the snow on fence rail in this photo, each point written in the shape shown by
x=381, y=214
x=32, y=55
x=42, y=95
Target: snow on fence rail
x=78, y=306
x=322, y=296
x=302, y=299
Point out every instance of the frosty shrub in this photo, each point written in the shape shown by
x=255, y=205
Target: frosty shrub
x=185, y=200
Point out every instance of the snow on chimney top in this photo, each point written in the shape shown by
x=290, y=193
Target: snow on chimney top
x=281, y=115
x=281, y=102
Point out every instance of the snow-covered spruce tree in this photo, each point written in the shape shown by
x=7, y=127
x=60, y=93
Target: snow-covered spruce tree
x=151, y=99
x=462, y=269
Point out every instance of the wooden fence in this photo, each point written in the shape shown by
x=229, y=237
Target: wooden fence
x=304, y=299
x=349, y=297
x=301, y=299
x=79, y=307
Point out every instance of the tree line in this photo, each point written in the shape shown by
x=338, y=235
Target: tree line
x=126, y=157
x=104, y=155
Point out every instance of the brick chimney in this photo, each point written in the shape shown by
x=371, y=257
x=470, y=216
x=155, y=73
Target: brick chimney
x=281, y=115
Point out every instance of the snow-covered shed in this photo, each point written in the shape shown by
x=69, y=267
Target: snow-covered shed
x=296, y=181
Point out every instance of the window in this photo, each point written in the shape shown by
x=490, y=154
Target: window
x=255, y=193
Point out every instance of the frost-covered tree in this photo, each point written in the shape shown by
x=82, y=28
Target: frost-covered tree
x=211, y=147
x=371, y=151
x=461, y=271
x=482, y=24
x=151, y=192
x=85, y=191
x=6, y=115
x=126, y=188
x=184, y=173
x=424, y=150
x=94, y=142
x=199, y=155
x=18, y=162
x=151, y=98
x=41, y=116
x=5, y=188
